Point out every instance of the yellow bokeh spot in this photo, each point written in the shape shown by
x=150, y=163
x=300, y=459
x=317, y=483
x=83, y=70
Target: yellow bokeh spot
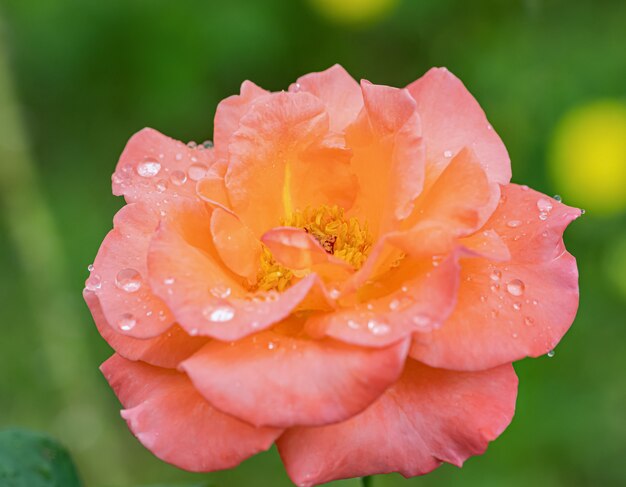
x=588, y=157
x=354, y=11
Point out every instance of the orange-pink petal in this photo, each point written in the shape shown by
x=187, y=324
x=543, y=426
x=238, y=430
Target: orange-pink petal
x=428, y=417
x=452, y=119
x=154, y=168
x=166, y=350
x=120, y=277
x=170, y=418
x=339, y=92
x=303, y=381
x=512, y=309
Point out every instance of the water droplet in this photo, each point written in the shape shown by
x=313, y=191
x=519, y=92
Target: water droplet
x=583, y=211
x=394, y=304
x=271, y=345
x=528, y=321
x=515, y=287
x=191, y=144
x=334, y=292
x=353, y=324
x=545, y=206
x=535, y=302
x=447, y=154
x=543, y=216
x=148, y=168
x=221, y=291
x=196, y=171
x=517, y=306
x=220, y=314
x=483, y=298
x=524, y=187
x=421, y=321
x=128, y=280
x=489, y=127
x=178, y=178
x=495, y=275
x=208, y=144
x=93, y=282
x=161, y=185
x=513, y=223
x=295, y=88
x=90, y=267
x=550, y=354
x=494, y=287
x=404, y=289
x=168, y=281
x=557, y=197
x=127, y=322
x=514, y=335
x=378, y=328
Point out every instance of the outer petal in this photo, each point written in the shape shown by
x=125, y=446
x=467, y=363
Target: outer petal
x=172, y=420
x=339, y=92
x=166, y=350
x=228, y=115
x=423, y=297
x=428, y=417
x=272, y=170
x=388, y=156
x=155, y=168
x=452, y=119
x=510, y=310
x=134, y=311
x=206, y=298
x=303, y=381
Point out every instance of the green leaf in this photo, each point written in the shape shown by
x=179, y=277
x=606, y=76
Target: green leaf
x=29, y=459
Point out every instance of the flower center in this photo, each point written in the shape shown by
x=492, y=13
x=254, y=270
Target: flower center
x=345, y=238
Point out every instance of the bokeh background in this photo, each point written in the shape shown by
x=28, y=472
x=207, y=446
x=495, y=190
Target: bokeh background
x=78, y=77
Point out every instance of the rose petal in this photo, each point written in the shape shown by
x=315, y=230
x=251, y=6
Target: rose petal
x=121, y=272
x=166, y=350
x=452, y=119
x=388, y=156
x=206, y=299
x=513, y=309
x=170, y=418
x=155, y=168
x=428, y=417
x=339, y=92
x=304, y=381
x=272, y=171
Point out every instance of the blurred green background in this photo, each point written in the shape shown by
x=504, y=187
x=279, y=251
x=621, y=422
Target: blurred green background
x=78, y=77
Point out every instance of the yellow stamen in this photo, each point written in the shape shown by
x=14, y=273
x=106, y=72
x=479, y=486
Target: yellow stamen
x=345, y=238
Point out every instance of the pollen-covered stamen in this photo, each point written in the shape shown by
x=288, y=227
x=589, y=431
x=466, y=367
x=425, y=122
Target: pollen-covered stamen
x=341, y=237
x=345, y=238
x=272, y=275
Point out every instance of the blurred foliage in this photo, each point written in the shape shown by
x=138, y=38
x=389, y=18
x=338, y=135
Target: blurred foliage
x=33, y=460
x=89, y=73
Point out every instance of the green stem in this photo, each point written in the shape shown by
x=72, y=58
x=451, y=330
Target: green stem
x=367, y=481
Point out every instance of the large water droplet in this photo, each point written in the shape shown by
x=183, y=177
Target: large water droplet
x=515, y=287
x=128, y=280
x=148, y=168
x=220, y=314
x=178, y=178
x=127, y=322
x=196, y=171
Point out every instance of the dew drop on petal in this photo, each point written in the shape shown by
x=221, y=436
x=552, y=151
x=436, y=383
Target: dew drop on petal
x=127, y=322
x=334, y=292
x=394, y=304
x=220, y=314
x=557, y=197
x=128, y=280
x=90, y=267
x=207, y=144
x=550, y=354
x=161, y=185
x=495, y=275
x=544, y=205
x=178, y=178
x=191, y=144
x=378, y=328
x=148, y=168
x=447, y=154
x=196, y=171
x=220, y=291
x=515, y=287
x=517, y=306
x=528, y=321
x=93, y=282
x=513, y=223
x=421, y=321
x=353, y=325
x=271, y=345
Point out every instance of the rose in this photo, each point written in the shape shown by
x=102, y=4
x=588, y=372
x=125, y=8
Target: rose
x=347, y=273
